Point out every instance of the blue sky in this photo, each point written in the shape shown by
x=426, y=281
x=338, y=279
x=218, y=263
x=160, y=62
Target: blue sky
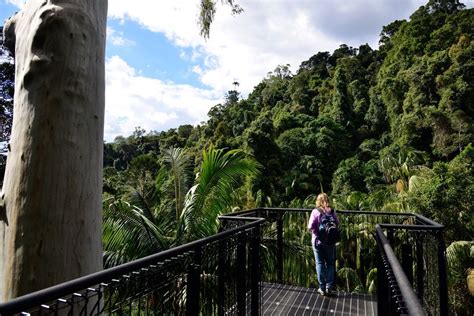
x=141, y=47
x=160, y=73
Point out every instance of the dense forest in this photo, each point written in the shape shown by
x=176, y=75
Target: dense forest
x=378, y=129
x=386, y=129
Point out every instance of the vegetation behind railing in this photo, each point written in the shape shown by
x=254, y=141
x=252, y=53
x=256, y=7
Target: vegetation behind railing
x=287, y=255
x=198, y=278
x=221, y=274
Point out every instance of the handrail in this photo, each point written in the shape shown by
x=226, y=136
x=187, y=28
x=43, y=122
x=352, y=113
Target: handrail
x=419, y=224
x=296, y=209
x=423, y=219
x=409, y=297
x=429, y=221
x=27, y=301
x=249, y=219
x=411, y=227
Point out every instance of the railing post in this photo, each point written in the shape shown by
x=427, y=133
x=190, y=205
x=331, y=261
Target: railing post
x=443, y=282
x=221, y=276
x=279, y=266
x=407, y=261
x=241, y=273
x=390, y=235
x=255, y=270
x=420, y=267
x=193, y=284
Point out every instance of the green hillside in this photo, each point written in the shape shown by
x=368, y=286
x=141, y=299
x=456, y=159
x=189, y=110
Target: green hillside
x=388, y=129
x=371, y=127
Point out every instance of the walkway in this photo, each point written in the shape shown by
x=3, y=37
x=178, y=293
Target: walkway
x=291, y=300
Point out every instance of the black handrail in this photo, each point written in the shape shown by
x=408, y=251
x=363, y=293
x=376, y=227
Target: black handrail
x=418, y=225
x=421, y=217
x=253, y=220
x=410, y=299
x=31, y=300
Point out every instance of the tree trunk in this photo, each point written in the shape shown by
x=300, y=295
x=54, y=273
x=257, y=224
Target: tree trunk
x=50, y=210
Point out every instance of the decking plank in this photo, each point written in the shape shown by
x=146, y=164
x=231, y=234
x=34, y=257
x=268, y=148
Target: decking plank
x=291, y=300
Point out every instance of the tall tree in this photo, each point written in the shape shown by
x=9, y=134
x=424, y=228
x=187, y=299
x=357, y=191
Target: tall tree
x=50, y=204
x=51, y=197
x=179, y=164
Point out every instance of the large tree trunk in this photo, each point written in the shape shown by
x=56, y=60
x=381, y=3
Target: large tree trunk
x=50, y=210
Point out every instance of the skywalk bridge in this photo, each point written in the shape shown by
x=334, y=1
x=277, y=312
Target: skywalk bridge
x=261, y=263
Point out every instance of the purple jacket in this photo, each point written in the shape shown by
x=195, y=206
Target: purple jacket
x=313, y=224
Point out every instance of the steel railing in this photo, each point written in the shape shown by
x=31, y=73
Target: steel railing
x=193, y=279
x=416, y=241
x=221, y=274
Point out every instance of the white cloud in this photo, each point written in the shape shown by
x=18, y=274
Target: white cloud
x=133, y=100
x=177, y=19
x=18, y=3
x=241, y=48
x=117, y=39
x=268, y=33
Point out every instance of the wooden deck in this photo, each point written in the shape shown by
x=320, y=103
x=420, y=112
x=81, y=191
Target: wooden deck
x=280, y=299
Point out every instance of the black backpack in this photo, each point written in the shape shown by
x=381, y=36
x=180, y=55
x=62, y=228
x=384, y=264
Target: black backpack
x=329, y=233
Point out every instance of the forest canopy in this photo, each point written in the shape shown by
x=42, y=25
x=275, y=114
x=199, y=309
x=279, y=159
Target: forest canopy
x=378, y=129
x=358, y=120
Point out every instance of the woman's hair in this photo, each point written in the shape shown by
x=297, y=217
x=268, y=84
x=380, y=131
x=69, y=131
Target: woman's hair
x=321, y=199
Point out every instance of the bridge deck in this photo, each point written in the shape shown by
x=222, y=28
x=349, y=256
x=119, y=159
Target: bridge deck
x=280, y=299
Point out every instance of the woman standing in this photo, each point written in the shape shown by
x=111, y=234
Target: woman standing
x=324, y=252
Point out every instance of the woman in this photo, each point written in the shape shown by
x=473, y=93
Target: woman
x=325, y=254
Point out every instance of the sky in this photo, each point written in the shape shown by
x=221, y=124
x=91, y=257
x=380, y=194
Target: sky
x=160, y=73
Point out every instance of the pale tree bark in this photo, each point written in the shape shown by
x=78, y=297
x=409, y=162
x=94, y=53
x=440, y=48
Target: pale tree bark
x=50, y=208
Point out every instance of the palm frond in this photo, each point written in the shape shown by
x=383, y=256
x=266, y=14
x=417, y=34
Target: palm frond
x=459, y=259
x=129, y=234
x=178, y=160
x=221, y=173
x=371, y=282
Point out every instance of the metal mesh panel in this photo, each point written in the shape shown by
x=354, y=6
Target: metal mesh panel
x=222, y=274
x=212, y=276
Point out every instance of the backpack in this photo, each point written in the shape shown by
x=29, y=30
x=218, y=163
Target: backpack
x=328, y=232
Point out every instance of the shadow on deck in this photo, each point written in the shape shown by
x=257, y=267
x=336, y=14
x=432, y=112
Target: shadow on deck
x=281, y=299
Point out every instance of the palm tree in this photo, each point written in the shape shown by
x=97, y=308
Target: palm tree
x=178, y=160
x=138, y=220
x=141, y=223
x=400, y=169
x=460, y=258
x=130, y=233
x=221, y=173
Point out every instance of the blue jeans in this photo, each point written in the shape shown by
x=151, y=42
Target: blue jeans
x=325, y=265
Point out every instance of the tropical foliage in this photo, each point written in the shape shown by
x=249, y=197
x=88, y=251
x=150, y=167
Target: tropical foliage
x=148, y=217
x=386, y=129
x=379, y=129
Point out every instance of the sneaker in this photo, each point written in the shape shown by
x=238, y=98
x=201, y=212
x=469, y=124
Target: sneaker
x=330, y=292
x=321, y=292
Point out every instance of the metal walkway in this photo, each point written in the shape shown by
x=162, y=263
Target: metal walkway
x=280, y=299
